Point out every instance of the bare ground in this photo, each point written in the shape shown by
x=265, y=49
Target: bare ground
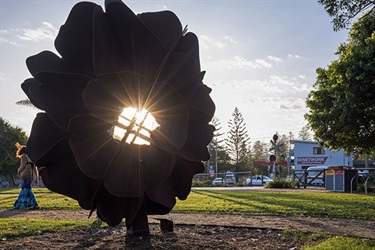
x=191, y=231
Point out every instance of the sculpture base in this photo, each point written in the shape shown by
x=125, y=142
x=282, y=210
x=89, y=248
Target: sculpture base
x=140, y=223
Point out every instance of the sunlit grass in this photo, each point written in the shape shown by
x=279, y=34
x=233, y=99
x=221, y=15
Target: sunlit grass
x=344, y=243
x=15, y=227
x=46, y=199
x=339, y=205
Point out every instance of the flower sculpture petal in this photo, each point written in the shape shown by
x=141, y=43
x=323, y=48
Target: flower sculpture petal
x=110, y=61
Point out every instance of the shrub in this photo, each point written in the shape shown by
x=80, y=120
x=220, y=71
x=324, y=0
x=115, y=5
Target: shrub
x=239, y=184
x=205, y=183
x=370, y=187
x=280, y=183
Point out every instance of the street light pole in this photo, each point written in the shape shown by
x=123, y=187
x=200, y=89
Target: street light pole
x=274, y=143
x=216, y=157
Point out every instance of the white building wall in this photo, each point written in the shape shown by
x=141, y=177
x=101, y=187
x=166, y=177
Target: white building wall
x=305, y=156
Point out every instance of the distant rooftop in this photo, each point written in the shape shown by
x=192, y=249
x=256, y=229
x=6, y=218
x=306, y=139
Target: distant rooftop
x=302, y=141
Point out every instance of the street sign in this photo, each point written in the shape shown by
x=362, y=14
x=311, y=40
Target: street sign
x=272, y=158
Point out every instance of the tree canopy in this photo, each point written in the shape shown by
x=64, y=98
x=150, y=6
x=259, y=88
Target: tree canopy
x=343, y=11
x=342, y=106
x=9, y=135
x=218, y=153
x=304, y=134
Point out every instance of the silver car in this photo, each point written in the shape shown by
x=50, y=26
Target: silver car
x=218, y=181
x=256, y=180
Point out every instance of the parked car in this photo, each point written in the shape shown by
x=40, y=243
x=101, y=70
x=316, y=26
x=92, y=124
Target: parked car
x=256, y=180
x=230, y=175
x=229, y=181
x=318, y=173
x=364, y=175
x=218, y=181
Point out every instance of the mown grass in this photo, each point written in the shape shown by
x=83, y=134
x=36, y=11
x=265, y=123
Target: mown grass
x=16, y=227
x=46, y=199
x=344, y=243
x=338, y=205
x=323, y=241
x=321, y=204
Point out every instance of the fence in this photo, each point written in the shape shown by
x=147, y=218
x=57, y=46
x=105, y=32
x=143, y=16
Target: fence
x=309, y=177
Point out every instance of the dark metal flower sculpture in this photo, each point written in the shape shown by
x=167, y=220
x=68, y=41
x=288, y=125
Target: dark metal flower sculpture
x=113, y=63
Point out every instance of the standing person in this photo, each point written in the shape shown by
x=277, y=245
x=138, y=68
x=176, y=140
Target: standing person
x=28, y=172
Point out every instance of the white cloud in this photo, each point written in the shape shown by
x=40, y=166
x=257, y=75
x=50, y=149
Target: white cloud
x=263, y=63
x=274, y=87
x=3, y=32
x=211, y=42
x=238, y=62
x=47, y=32
x=230, y=39
x=243, y=63
x=275, y=59
x=207, y=42
x=3, y=78
x=294, y=56
x=3, y=36
x=302, y=76
x=291, y=106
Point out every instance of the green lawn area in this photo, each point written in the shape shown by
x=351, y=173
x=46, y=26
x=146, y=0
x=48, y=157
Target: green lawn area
x=338, y=205
x=46, y=199
x=322, y=204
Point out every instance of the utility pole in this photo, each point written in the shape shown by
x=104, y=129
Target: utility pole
x=273, y=157
x=216, y=157
x=290, y=149
x=208, y=161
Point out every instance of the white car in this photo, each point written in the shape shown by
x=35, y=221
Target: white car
x=256, y=180
x=316, y=173
x=218, y=181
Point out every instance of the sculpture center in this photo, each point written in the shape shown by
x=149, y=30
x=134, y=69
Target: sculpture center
x=135, y=126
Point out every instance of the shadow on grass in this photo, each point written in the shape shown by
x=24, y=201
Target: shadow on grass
x=272, y=203
x=8, y=213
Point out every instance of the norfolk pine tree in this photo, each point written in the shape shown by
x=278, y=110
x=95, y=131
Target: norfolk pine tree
x=238, y=141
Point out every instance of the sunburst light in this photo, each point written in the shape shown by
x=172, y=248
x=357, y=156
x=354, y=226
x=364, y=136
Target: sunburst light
x=138, y=131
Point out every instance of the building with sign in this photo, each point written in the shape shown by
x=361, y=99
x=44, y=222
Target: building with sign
x=306, y=154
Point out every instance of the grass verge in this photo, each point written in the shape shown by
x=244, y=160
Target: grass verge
x=16, y=227
x=337, y=205
x=321, y=204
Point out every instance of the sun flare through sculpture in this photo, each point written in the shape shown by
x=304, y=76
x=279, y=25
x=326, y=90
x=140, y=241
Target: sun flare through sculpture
x=122, y=163
x=135, y=125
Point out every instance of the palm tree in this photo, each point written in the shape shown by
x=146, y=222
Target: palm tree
x=25, y=102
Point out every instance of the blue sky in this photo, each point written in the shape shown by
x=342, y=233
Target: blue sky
x=260, y=56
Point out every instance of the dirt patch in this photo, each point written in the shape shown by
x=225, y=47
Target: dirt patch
x=191, y=231
x=183, y=237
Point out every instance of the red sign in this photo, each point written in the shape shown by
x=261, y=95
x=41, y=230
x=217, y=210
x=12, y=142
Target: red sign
x=311, y=160
x=339, y=172
x=268, y=163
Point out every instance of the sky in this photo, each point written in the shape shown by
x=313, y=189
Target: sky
x=259, y=56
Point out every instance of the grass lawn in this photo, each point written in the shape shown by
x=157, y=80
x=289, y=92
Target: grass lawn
x=46, y=199
x=15, y=227
x=337, y=205
x=334, y=205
